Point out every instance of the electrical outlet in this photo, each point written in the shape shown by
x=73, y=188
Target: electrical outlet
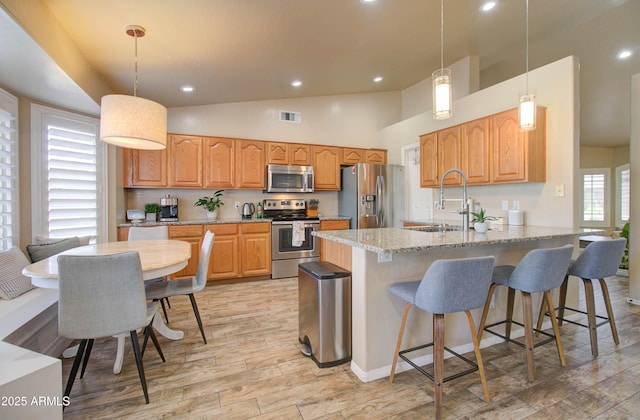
x=237, y=204
x=505, y=204
x=560, y=190
x=516, y=205
x=384, y=257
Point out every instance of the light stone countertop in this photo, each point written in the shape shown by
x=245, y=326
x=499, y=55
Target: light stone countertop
x=213, y=222
x=407, y=240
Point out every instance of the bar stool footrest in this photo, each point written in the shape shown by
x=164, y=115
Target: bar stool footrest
x=474, y=365
x=535, y=330
x=566, y=308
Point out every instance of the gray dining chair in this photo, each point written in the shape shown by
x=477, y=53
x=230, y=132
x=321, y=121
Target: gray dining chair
x=152, y=233
x=102, y=296
x=598, y=260
x=186, y=287
x=540, y=270
x=454, y=285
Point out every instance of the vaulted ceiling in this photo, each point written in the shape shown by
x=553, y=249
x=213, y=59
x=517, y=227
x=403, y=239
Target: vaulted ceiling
x=246, y=50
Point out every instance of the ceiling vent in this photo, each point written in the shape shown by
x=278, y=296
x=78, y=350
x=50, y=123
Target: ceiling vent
x=291, y=116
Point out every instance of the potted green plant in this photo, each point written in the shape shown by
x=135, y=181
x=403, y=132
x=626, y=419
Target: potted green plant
x=624, y=264
x=211, y=204
x=481, y=221
x=151, y=211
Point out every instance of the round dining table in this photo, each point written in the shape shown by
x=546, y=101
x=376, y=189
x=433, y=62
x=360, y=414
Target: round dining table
x=158, y=258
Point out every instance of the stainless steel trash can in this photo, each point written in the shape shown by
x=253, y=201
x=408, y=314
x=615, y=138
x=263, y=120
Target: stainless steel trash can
x=324, y=312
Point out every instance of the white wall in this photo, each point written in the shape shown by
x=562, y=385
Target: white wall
x=556, y=87
x=634, y=235
x=344, y=120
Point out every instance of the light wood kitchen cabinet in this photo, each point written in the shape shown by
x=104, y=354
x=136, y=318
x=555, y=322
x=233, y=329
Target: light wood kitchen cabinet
x=219, y=162
x=278, y=153
x=144, y=168
x=518, y=156
x=300, y=154
x=376, y=156
x=225, y=261
x=338, y=254
x=255, y=249
x=351, y=156
x=449, y=154
x=192, y=234
x=185, y=161
x=250, y=166
x=429, y=160
x=476, y=151
x=326, y=167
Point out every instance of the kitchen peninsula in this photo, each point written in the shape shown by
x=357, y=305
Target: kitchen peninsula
x=380, y=257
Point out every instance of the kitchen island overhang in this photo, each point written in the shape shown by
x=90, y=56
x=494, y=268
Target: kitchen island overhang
x=380, y=257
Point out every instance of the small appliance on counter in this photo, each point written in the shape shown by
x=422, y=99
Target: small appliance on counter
x=312, y=207
x=247, y=210
x=135, y=215
x=169, y=209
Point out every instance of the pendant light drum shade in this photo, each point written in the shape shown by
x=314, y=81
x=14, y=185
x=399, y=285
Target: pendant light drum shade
x=442, y=95
x=133, y=122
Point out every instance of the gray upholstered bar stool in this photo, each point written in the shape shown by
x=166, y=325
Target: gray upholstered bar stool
x=540, y=270
x=599, y=260
x=448, y=286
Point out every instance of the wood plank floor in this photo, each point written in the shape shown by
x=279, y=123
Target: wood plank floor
x=253, y=368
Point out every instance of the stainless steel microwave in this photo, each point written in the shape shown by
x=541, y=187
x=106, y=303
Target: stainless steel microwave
x=289, y=178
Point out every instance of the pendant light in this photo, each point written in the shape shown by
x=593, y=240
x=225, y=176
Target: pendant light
x=442, y=95
x=130, y=121
x=527, y=107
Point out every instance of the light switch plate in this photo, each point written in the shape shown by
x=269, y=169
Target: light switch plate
x=516, y=205
x=560, y=190
x=505, y=204
x=384, y=257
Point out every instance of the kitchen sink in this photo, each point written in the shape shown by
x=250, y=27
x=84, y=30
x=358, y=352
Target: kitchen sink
x=434, y=228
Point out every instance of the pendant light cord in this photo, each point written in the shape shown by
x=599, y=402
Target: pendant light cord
x=442, y=34
x=526, y=12
x=135, y=63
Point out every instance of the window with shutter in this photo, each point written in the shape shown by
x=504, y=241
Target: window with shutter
x=623, y=188
x=8, y=171
x=69, y=198
x=595, y=197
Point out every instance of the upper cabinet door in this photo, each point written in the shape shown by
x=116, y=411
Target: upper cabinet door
x=449, y=157
x=476, y=151
x=148, y=167
x=376, y=156
x=185, y=157
x=429, y=160
x=250, y=166
x=300, y=154
x=278, y=153
x=219, y=162
x=326, y=167
x=351, y=156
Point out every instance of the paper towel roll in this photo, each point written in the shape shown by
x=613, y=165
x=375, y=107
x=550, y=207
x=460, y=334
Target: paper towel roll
x=516, y=217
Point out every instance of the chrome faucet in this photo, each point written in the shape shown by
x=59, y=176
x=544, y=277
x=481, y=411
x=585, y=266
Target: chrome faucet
x=464, y=204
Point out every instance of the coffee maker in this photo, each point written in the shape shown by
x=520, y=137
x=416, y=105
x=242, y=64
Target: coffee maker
x=169, y=209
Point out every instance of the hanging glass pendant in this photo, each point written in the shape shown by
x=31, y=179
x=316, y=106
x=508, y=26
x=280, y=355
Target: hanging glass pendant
x=442, y=95
x=527, y=112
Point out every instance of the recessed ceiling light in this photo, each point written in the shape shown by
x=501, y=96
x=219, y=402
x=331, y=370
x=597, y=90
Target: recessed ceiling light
x=296, y=83
x=624, y=54
x=486, y=6
x=187, y=89
x=378, y=79
x=367, y=1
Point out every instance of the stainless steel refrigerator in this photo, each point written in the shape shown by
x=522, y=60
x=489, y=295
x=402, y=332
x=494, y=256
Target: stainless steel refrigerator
x=372, y=195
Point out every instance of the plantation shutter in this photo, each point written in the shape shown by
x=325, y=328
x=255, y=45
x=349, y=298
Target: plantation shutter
x=625, y=188
x=8, y=172
x=594, y=197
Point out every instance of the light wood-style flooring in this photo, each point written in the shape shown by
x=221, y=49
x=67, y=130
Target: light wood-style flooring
x=253, y=368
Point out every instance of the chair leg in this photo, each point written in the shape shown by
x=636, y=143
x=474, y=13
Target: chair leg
x=556, y=329
x=543, y=309
x=591, y=315
x=148, y=332
x=136, y=352
x=87, y=353
x=197, y=314
x=74, y=368
x=607, y=304
x=528, y=333
x=399, y=341
x=485, y=311
x=164, y=309
x=168, y=303
x=511, y=295
x=476, y=348
x=562, y=299
x=438, y=361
